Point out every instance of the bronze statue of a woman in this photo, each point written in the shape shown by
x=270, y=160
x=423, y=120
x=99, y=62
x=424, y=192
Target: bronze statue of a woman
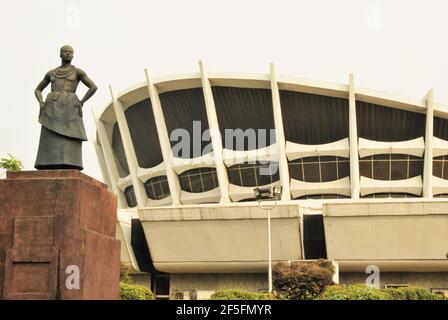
x=62, y=133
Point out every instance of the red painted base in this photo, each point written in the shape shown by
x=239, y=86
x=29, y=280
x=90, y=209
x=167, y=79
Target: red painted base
x=57, y=237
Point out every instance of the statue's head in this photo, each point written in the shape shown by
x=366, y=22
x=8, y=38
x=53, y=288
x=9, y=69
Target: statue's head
x=67, y=53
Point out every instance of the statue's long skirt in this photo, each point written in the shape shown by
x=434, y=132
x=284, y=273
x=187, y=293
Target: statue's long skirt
x=58, y=152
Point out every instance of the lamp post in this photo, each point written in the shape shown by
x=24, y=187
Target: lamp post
x=267, y=194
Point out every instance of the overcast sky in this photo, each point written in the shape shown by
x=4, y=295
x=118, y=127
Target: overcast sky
x=395, y=46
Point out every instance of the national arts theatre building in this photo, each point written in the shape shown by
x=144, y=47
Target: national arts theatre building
x=364, y=177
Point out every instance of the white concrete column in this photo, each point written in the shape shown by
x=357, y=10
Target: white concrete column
x=131, y=158
x=280, y=136
x=215, y=135
x=353, y=138
x=111, y=166
x=165, y=146
x=427, y=169
x=102, y=162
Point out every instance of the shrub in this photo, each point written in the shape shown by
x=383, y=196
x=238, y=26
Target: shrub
x=302, y=279
x=362, y=292
x=135, y=292
x=238, y=294
x=11, y=164
x=353, y=292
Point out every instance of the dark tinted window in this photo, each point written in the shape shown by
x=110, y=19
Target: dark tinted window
x=130, y=196
x=391, y=195
x=319, y=169
x=157, y=188
x=391, y=166
x=185, y=109
x=380, y=123
x=253, y=174
x=118, y=148
x=313, y=119
x=198, y=180
x=245, y=109
x=143, y=130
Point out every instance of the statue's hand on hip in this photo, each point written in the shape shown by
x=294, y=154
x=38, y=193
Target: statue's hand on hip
x=79, y=105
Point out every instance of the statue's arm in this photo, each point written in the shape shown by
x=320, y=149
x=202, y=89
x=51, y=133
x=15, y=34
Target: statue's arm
x=88, y=83
x=40, y=87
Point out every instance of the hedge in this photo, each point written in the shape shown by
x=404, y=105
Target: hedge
x=412, y=293
x=362, y=292
x=238, y=294
x=135, y=292
x=353, y=292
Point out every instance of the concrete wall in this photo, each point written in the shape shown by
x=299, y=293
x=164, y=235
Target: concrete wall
x=426, y=280
x=213, y=282
x=396, y=236
x=220, y=239
x=141, y=279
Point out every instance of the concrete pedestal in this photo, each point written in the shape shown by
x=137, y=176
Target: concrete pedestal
x=57, y=237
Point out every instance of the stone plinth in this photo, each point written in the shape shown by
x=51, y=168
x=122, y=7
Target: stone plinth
x=52, y=224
